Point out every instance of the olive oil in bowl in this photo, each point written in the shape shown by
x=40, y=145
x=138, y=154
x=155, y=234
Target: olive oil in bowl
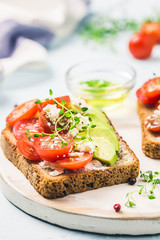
x=101, y=83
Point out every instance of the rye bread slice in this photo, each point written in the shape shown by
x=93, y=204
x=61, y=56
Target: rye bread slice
x=126, y=166
x=150, y=140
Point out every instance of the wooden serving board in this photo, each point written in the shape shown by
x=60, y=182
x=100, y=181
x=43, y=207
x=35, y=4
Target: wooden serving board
x=92, y=210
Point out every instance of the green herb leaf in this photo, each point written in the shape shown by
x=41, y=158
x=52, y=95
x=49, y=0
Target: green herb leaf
x=67, y=114
x=71, y=127
x=84, y=127
x=84, y=109
x=26, y=133
x=77, y=120
x=132, y=204
x=83, y=138
x=151, y=197
x=90, y=119
x=43, y=134
x=36, y=135
x=38, y=101
x=29, y=137
x=63, y=102
x=93, y=126
x=90, y=139
x=50, y=92
x=61, y=111
x=52, y=135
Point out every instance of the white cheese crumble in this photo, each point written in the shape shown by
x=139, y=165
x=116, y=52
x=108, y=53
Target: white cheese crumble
x=54, y=173
x=157, y=113
x=73, y=132
x=95, y=165
x=75, y=154
x=86, y=147
x=52, y=112
x=53, y=166
x=81, y=103
x=84, y=121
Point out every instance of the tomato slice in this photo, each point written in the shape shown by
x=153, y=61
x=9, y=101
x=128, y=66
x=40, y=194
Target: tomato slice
x=26, y=147
x=153, y=123
x=44, y=123
x=22, y=126
x=51, y=149
x=24, y=111
x=151, y=88
x=51, y=101
x=145, y=99
x=75, y=162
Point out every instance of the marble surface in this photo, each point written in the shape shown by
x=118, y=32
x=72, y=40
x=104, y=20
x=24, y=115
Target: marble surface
x=25, y=85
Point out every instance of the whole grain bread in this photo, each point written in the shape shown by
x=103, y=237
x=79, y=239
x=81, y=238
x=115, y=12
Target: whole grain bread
x=126, y=166
x=150, y=140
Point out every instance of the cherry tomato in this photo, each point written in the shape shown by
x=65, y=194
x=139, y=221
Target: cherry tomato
x=26, y=147
x=22, y=126
x=51, y=149
x=51, y=101
x=153, y=123
x=44, y=104
x=152, y=29
x=145, y=99
x=24, y=111
x=75, y=162
x=44, y=123
x=151, y=88
x=141, y=45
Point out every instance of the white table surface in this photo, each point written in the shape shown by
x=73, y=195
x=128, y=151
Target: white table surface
x=25, y=85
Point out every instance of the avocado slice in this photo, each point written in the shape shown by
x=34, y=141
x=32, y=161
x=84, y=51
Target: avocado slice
x=98, y=117
x=104, y=150
x=100, y=131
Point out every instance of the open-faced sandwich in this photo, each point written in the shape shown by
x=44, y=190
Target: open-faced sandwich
x=149, y=113
x=64, y=146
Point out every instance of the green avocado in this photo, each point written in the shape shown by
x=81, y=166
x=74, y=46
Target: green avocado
x=104, y=151
x=99, y=118
x=100, y=131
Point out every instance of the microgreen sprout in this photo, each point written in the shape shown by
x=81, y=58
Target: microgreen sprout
x=150, y=183
x=61, y=123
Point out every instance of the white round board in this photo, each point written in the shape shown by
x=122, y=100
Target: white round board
x=92, y=211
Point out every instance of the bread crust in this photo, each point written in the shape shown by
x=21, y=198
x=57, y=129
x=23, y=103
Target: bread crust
x=150, y=140
x=59, y=186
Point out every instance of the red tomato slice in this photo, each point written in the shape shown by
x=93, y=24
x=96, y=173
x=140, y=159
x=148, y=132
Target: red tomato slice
x=151, y=88
x=75, y=162
x=22, y=126
x=145, y=99
x=51, y=149
x=44, y=123
x=141, y=45
x=26, y=147
x=51, y=101
x=24, y=111
x=153, y=123
x=44, y=104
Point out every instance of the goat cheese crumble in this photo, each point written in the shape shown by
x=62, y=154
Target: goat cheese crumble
x=81, y=103
x=86, y=147
x=52, y=112
x=73, y=132
x=84, y=121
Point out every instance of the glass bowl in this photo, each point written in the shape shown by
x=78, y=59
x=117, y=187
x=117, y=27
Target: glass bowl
x=102, y=82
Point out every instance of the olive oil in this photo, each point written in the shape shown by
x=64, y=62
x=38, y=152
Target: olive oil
x=102, y=93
